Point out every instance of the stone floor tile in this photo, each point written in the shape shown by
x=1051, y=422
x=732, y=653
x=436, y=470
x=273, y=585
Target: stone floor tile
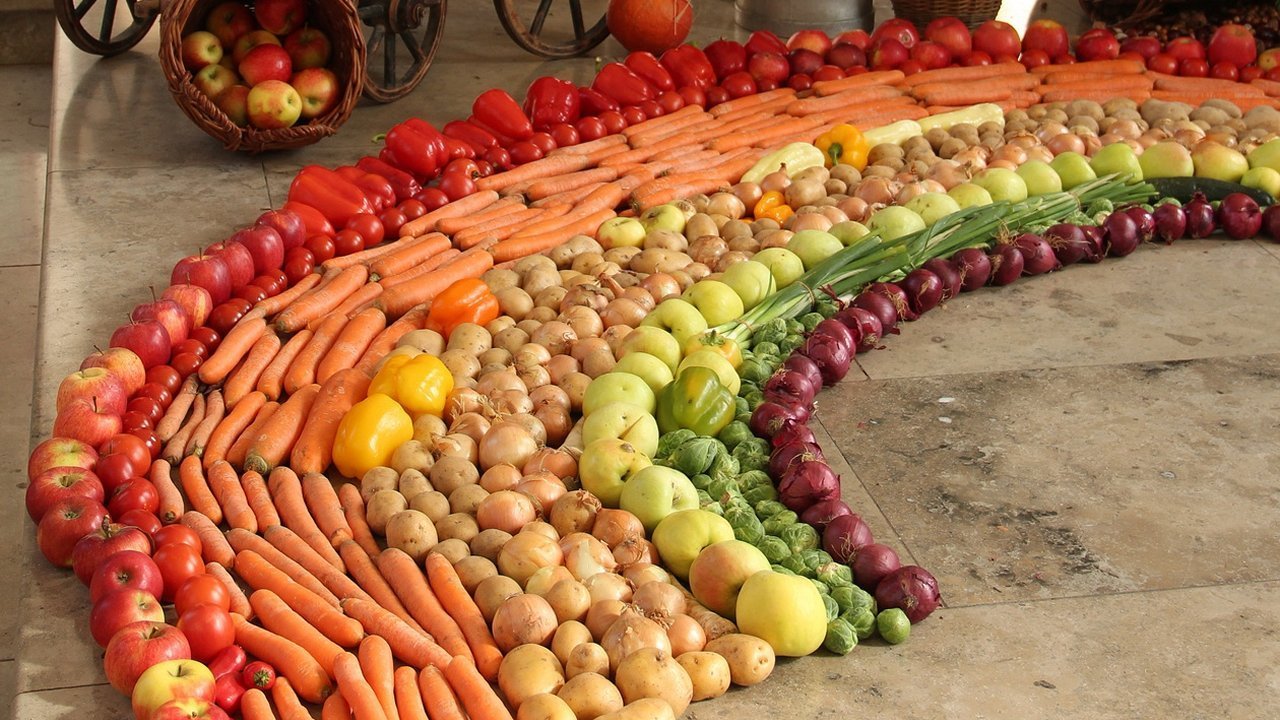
x=55, y=649
x=24, y=155
x=100, y=702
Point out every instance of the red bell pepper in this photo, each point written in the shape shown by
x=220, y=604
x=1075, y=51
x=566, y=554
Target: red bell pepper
x=726, y=56
x=259, y=675
x=473, y=135
x=496, y=110
x=648, y=67
x=620, y=83
x=550, y=101
x=227, y=693
x=402, y=182
x=689, y=67
x=337, y=198
x=415, y=147
x=230, y=660
x=312, y=219
x=594, y=102
x=455, y=148
x=377, y=188
x=765, y=41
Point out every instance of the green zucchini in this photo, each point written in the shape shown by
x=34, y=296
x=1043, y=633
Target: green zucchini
x=1184, y=188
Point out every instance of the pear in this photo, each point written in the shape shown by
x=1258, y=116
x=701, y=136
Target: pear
x=1219, y=162
x=932, y=206
x=1266, y=155
x=1263, y=178
x=1117, y=158
x=1039, y=177
x=1073, y=168
x=968, y=195
x=1002, y=183
x=1165, y=160
x=849, y=231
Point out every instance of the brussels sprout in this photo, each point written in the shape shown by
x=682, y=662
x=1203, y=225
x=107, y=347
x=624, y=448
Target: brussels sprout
x=835, y=574
x=739, y=514
x=770, y=332
x=752, y=455
x=757, y=493
x=780, y=569
x=734, y=433
x=725, y=465
x=893, y=626
x=768, y=508
x=737, y=504
x=857, y=598
x=701, y=481
x=751, y=478
x=826, y=306
x=750, y=534
x=833, y=610
x=713, y=507
x=704, y=498
x=841, y=638
x=863, y=621
x=754, y=399
x=794, y=327
x=668, y=443
x=810, y=321
x=800, y=536
x=812, y=559
x=723, y=488
x=843, y=597
x=695, y=455
x=777, y=523
x=822, y=587
x=769, y=349
x=795, y=565
x=754, y=370
x=773, y=548
x=791, y=342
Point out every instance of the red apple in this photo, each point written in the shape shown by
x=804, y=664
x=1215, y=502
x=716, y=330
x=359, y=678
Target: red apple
x=189, y=709
x=123, y=362
x=234, y=103
x=952, y=34
x=900, y=29
x=813, y=40
x=193, y=298
x=1269, y=59
x=170, y=680
x=95, y=384
x=846, y=55
x=126, y=570
x=1034, y=58
x=1249, y=73
x=931, y=55
x=274, y=104
x=200, y=48
x=119, y=608
x=138, y=646
x=60, y=452
x=887, y=53
x=308, y=47
x=1144, y=45
x=1047, y=35
x=264, y=245
x=280, y=16
x=997, y=39
x=318, y=88
x=168, y=313
x=1163, y=63
x=83, y=421
x=265, y=62
x=228, y=21
x=768, y=66
x=64, y=524
x=249, y=41
x=148, y=339
x=1094, y=45
x=238, y=260
x=1182, y=48
x=213, y=79
x=60, y=483
x=1232, y=43
x=292, y=230
x=210, y=273
x=97, y=546
x=858, y=38
x=803, y=60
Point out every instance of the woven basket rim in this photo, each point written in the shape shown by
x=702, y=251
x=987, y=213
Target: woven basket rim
x=970, y=12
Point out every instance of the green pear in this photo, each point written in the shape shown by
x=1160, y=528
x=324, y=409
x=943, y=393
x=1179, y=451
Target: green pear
x=848, y=232
x=1219, y=162
x=1119, y=159
x=1165, y=160
x=1266, y=155
x=933, y=206
x=968, y=195
x=1039, y=177
x=1073, y=168
x=1002, y=183
x=1263, y=178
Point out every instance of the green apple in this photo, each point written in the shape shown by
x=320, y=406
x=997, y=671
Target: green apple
x=655, y=492
x=932, y=206
x=1039, y=177
x=621, y=232
x=1219, y=162
x=1002, y=183
x=606, y=464
x=814, y=246
x=718, y=572
x=716, y=300
x=969, y=195
x=715, y=362
x=667, y=216
x=849, y=232
x=785, y=265
x=1073, y=168
x=895, y=221
x=615, y=386
x=1119, y=159
x=679, y=317
x=1166, y=159
x=654, y=341
x=1263, y=178
x=785, y=611
x=681, y=535
x=654, y=372
x=623, y=421
x=751, y=280
x=1266, y=155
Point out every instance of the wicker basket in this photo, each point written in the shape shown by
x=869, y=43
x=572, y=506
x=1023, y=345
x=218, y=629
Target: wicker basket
x=337, y=18
x=971, y=12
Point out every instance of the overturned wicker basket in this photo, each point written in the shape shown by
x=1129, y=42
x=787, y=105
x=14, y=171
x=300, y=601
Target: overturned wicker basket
x=337, y=18
x=971, y=12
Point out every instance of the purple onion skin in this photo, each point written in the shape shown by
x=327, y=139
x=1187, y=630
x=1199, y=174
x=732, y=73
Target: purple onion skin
x=1095, y=235
x=1171, y=222
x=844, y=535
x=833, y=356
x=948, y=273
x=923, y=289
x=911, y=589
x=1037, y=254
x=1069, y=243
x=897, y=296
x=791, y=432
x=1146, y=222
x=1122, y=234
x=1200, y=221
x=784, y=456
x=806, y=484
x=1239, y=216
x=872, y=563
x=789, y=387
x=803, y=365
x=819, y=515
x=880, y=306
x=975, y=268
x=1006, y=265
x=768, y=417
x=1271, y=221
x=869, y=328
x=837, y=330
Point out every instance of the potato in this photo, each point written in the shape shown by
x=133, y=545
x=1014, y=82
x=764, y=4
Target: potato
x=590, y=695
x=453, y=550
x=750, y=658
x=428, y=341
x=380, y=508
x=568, y=637
x=488, y=543
x=412, y=483
x=587, y=657
x=473, y=570
x=526, y=671
x=412, y=532
x=709, y=672
x=541, y=278
x=412, y=455
x=427, y=428
x=451, y=472
x=544, y=706
x=431, y=502
x=643, y=709
x=653, y=673
x=466, y=499
x=379, y=478
x=499, y=278
x=459, y=526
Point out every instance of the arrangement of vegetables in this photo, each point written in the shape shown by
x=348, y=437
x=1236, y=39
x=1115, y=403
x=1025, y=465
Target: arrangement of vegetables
x=541, y=449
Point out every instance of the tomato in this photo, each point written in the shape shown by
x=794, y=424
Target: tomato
x=564, y=135
x=413, y=209
x=652, y=109
x=799, y=82
x=484, y=168
x=166, y=376
x=716, y=95
x=129, y=446
x=1224, y=71
x=765, y=84
x=739, y=84
x=1035, y=59
x=299, y=265
x=392, y=218
x=499, y=158
x=977, y=57
x=177, y=562
x=1193, y=67
x=543, y=141
x=186, y=363
x=116, y=470
x=828, y=72
x=223, y=317
x=251, y=293
x=202, y=590
x=209, y=630
x=141, y=519
x=273, y=281
x=369, y=227
x=136, y=494
x=524, y=152
x=613, y=122
x=149, y=437
x=177, y=535
x=432, y=198
x=1064, y=59
x=464, y=166
x=156, y=392
x=206, y=336
x=147, y=406
x=693, y=96
x=457, y=185
x=134, y=420
x=321, y=247
x=590, y=128
x=671, y=101
x=195, y=347
x=348, y=241
x=1249, y=73
x=633, y=115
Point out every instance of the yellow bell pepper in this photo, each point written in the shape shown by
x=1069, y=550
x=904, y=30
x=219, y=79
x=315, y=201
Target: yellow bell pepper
x=844, y=143
x=774, y=206
x=367, y=435
x=420, y=383
x=720, y=344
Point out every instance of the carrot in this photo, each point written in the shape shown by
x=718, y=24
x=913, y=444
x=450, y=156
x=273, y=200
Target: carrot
x=176, y=448
x=541, y=168
x=875, y=77
x=966, y=74
x=353, y=508
x=751, y=102
x=230, y=426
x=178, y=408
x=441, y=701
x=1206, y=85
x=276, y=616
x=407, y=695
x=287, y=702
x=262, y=575
x=605, y=197
x=410, y=585
x=225, y=484
x=196, y=488
x=1115, y=83
x=320, y=300
x=514, y=248
x=464, y=206
x=1244, y=102
x=1100, y=93
x=742, y=138
x=254, y=705
x=352, y=341
x=1013, y=82
x=335, y=708
x=682, y=186
x=422, y=268
x=1063, y=78
x=213, y=544
x=591, y=146
x=215, y=410
x=304, y=673
x=286, y=492
x=239, y=603
x=276, y=303
x=662, y=135
x=236, y=453
x=379, y=668
x=323, y=503
x=387, y=339
x=245, y=378
x=337, y=582
x=690, y=161
x=259, y=499
x=242, y=540
x=398, y=299
x=280, y=432
x=314, y=447
x=848, y=98
x=360, y=567
x=474, y=691
x=453, y=225
x=302, y=371
x=356, y=302
x=409, y=255
x=409, y=645
x=1270, y=87
x=234, y=346
x=964, y=94
x=1097, y=67
x=170, y=506
x=680, y=117
x=455, y=599
x=366, y=256
x=356, y=689
x=500, y=228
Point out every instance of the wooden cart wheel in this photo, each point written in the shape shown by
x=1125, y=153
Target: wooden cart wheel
x=105, y=27
x=400, y=41
x=551, y=28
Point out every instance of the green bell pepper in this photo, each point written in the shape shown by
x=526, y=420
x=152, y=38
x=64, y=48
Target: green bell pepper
x=696, y=401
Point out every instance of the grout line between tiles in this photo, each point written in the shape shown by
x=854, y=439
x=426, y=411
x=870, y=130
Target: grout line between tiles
x=1120, y=593
x=56, y=689
x=21, y=265
x=1072, y=366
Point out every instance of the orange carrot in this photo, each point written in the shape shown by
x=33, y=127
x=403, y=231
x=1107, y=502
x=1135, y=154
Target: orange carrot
x=225, y=484
x=171, y=422
x=967, y=74
x=335, y=708
x=276, y=303
x=325, y=507
x=276, y=616
x=752, y=102
x=1244, y=102
x=541, y=168
x=361, y=568
x=280, y=432
x=409, y=645
x=848, y=98
x=351, y=342
x=234, y=346
x=272, y=377
x=605, y=197
x=1102, y=82
x=409, y=255
x=557, y=204
x=1101, y=93
x=353, y=509
x=314, y=447
x=465, y=206
x=286, y=492
x=356, y=302
x=320, y=300
x=236, y=453
x=387, y=339
x=1270, y=87
x=215, y=410
x=1063, y=78
x=678, y=118
x=473, y=235
x=780, y=129
x=241, y=541
x=407, y=695
x=875, y=77
x=591, y=146
x=254, y=705
x=262, y=575
x=287, y=702
x=304, y=673
x=259, y=499
x=171, y=505
x=398, y=299
x=366, y=256
x=356, y=689
x=455, y=599
x=196, y=488
x=379, y=668
x=453, y=225
x=302, y=371
x=239, y=603
x=230, y=426
x=410, y=586
x=422, y=268
x=288, y=542
x=1206, y=85
x=964, y=94
x=1097, y=67
x=514, y=248
x=474, y=691
x=243, y=380
x=176, y=448
x=441, y=702
x=214, y=546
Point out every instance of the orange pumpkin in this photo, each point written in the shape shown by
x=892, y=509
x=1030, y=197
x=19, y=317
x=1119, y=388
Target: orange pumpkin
x=649, y=25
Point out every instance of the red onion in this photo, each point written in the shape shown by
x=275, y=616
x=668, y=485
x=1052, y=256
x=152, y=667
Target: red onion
x=872, y=562
x=897, y=296
x=881, y=307
x=1122, y=234
x=821, y=514
x=1271, y=218
x=784, y=456
x=1037, y=255
x=1239, y=216
x=792, y=432
x=768, y=417
x=833, y=356
x=1199, y=216
x=911, y=589
x=1069, y=243
x=806, y=483
x=948, y=273
x=1146, y=221
x=868, y=326
x=1095, y=235
x=1006, y=265
x=975, y=268
x=923, y=289
x=803, y=365
x=790, y=387
x=1171, y=222
x=837, y=330
x=844, y=535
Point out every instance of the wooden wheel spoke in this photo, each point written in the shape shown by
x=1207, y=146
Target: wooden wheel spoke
x=575, y=11
x=414, y=46
x=389, y=60
x=540, y=18
x=83, y=8
x=108, y=21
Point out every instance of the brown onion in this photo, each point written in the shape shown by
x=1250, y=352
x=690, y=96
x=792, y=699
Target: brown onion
x=748, y=192
x=473, y=425
x=629, y=633
x=492, y=383
x=510, y=402
x=506, y=510
x=613, y=526
x=543, y=487
x=585, y=321
x=492, y=592
x=506, y=443
x=635, y=549
x=502, y=476
x=531, y=424
x=526, y=552
x=659, y=600
x=586, y=556
x=609, y=586
x=560, y=463
x=556, y=423
x=462, y=401
x=601, y=615
x=523, y=619
x=541, y=582
x=574, y=512
x=661, y=286
x=644, y=573
x=686, y=635
x=549, y=395
x=560, y=367
x=875, y=191
x=622, y=311
x=855, y=207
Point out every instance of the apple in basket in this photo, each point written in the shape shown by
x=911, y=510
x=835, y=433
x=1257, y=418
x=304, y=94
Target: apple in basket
x=318, y=88
x=274, y=104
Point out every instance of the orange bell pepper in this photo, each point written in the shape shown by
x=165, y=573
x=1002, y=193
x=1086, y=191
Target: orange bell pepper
x=466, y=301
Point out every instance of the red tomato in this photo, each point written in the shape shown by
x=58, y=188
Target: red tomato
x=1224, y=71
x=224, y=317
x=765, y=84
x=156, y=392
x=590, y=128
x=828, y=72
x=1064, y=59
x=166, y=376
x=273, y=281
x=195, y=347
x=321, y=247
x=177, y=562
x=136, y=494
x=392, y=218
x=613, y=122
x=457, y=185
x=462, y=166
x=524, y=152
x=977, y=57
x=911, y=67
x=202, y=590
x=739, y=84
x=134, y=420
x=186, y=363
x=129, y=446
x=484, y=168
x=413, y=209
x=298, y=257
x=147, y=406
x=1272, y=74
x=348, y=241
x=209, y=630
x=141, y=519
x=116, y=470
x=498, y=157
x=149, y=437
x=298, y=268
x=1249, y=73
x=432, y=198
x=652, y=109
x=716, y=95
x=671, y=101
x=565, y=135
x=1193, y=67
x=177, y=535
x=207, y=337
x=369, y=227
x=799, y=82
x=693, y=96
x=543, y=141
x=1035, y=58
x=633, y=115
x=251, y=293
